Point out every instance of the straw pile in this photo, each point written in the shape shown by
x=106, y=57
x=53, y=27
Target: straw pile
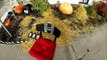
x=66, y=36
x=69, y=27
x=81, y=14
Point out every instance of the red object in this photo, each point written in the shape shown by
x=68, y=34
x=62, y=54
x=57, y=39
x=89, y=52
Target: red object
x=8, y=22
x=43, y=49
x=19, y=9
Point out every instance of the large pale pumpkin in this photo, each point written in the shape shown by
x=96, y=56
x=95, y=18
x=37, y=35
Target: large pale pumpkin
x=66, y=8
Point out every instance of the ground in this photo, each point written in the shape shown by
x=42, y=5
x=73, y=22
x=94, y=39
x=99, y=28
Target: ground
x=90, y=46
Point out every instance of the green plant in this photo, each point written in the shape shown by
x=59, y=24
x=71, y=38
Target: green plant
x=39, y=5
x=89, y=10
x=105, y=16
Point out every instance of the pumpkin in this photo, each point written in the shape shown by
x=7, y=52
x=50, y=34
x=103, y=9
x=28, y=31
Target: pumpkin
x=7, y=22
x=66, y=8
x=19, y=9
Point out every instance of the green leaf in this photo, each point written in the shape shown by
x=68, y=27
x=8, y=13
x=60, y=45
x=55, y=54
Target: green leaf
x=40, y=5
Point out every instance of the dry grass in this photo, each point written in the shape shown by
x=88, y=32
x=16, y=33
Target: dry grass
x=69, y=28
x=66, y=36
x=26, y=21
x=81, y=14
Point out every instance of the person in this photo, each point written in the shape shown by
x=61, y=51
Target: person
x=105, y=1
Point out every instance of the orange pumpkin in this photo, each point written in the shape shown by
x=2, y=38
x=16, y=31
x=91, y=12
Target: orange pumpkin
x=19, y=9
x=7, y=22
x=66, y=8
